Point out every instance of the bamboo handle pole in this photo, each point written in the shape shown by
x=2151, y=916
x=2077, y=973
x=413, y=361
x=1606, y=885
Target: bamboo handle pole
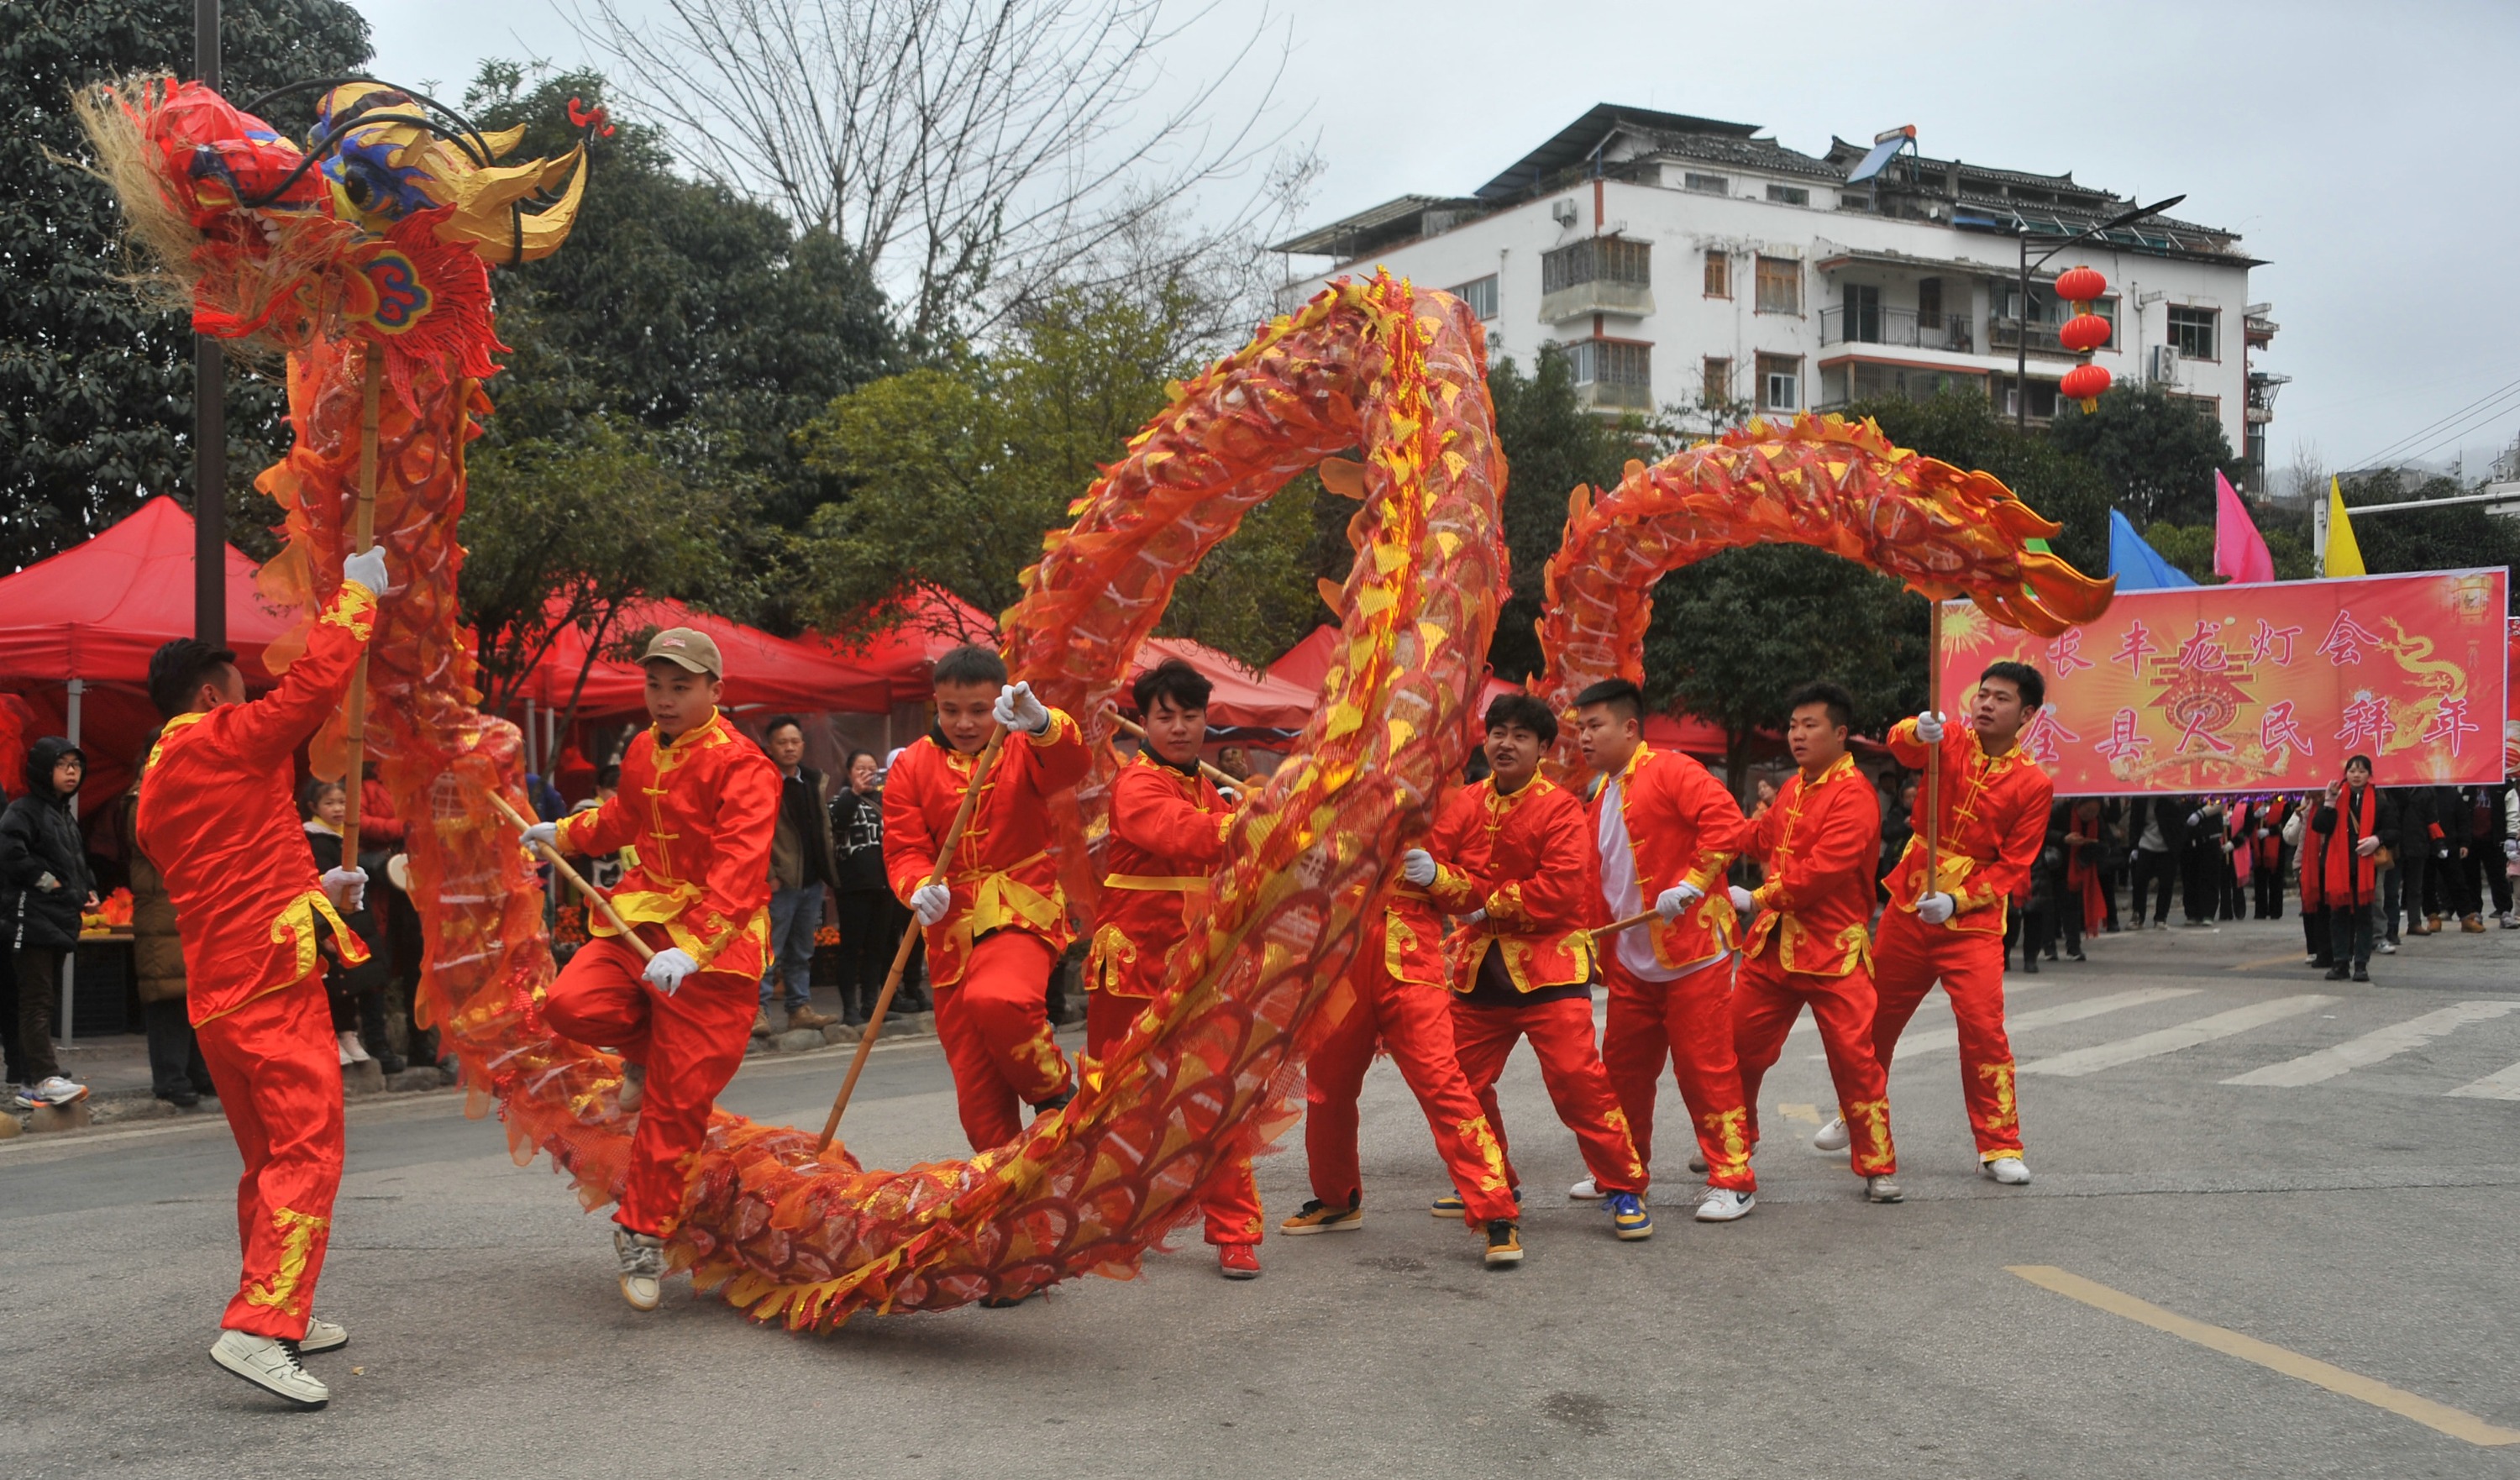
x=1647, y=917
x=363, y=537
x=1128, y=726
x=594, y=895
x=910, y=939
x=1934, y=754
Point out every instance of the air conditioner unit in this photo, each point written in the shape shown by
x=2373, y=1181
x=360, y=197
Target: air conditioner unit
x=1563, y=212
x=2164, y=369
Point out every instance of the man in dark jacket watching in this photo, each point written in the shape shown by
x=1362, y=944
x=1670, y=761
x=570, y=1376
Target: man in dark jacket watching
x=800, y=869
x=44, y=887
x=2157, y=843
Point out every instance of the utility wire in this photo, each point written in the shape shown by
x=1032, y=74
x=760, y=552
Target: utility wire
x=2393, y=448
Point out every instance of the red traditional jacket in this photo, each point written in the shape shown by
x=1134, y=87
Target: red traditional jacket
x=1681, y=826
x=218, y=818
x=696, y=814
x=1994, y=823
x=1819, y=841
x=1167, y=836
x=1001, y=874
x=1528, y=862
x=1413, y=918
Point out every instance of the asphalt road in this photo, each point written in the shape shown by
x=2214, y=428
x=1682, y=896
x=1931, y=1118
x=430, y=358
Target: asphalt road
x=2361, y=1216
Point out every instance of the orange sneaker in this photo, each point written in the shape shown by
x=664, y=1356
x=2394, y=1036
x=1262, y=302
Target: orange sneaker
x=1237, y=1260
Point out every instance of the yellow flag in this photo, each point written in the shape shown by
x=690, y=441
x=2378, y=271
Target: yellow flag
x=2344, y=553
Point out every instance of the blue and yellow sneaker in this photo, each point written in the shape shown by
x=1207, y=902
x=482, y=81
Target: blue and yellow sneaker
x=1628, y=1216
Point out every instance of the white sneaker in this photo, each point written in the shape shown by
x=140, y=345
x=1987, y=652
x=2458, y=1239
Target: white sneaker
x=1831, y=1137
x=353, y=1051
x=57, y=1090
x=1585, y=1192
x=643, y=1268
x=1723, y=1205
x=270, y=1364
x=2387, y=948
x=1884, y=1190
x=322, y=1335
x=341, y=1043
x=2009, y=1171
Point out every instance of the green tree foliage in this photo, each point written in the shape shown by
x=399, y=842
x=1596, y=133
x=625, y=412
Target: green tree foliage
x=1551, y=444
x=2447, y=539
x=1964, y=432
x=2157, y=452
x=565, y=533
x=96, y=387
x=951, y=475
x=2191, y=548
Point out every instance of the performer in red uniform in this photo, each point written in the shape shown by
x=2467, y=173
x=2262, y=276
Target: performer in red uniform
x=998, y=923
x=696, y=807
x=1524, y=967
x=1819, y=842
x=217, y=817
x=1168, y=826
x=1664, y=830
x=1400, y=998
x=1995, y=806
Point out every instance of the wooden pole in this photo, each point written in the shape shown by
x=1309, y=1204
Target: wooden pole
x=910, y=938
x=1934, y=754
x=594, y=895
x=1129, y=726
x=1628, y=924
x=363, y=537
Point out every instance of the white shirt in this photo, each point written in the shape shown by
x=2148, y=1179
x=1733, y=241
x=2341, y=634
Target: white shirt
x=1621, y=892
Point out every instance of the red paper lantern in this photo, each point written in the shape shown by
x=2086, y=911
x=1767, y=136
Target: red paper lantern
x=2081, y=285
x=2085, y=383
x=2084, y=333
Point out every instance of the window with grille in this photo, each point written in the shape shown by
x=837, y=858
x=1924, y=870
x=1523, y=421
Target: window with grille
x=1780, y=383
x=1596, y=259
x=1789, y=194
x=1718, y=273
x=1715, y=387
x=1712, y=185
x=1480, y=293
x=2193, y=331
x=1611, y=362
x=1780, y=286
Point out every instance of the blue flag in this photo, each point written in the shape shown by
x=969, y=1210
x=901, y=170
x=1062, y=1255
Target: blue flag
x=2137, y=565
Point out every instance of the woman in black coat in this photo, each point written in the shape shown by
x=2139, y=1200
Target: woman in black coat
x=44, y=888
x=358, y=993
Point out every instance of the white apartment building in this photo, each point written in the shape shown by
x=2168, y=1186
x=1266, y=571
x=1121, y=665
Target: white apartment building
x=1688, y=264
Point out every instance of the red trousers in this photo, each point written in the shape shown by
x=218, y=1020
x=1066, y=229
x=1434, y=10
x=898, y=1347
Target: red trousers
x=1765, y=1000
x=691, y=1044
x=1907, y=961
x=1413, y=1021
x=1231, y=1204
x=1570, y=1065
x=1686, y=1024
x=278, y=1068
x=995, y=1025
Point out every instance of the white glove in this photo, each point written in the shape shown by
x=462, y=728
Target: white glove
x=1231, y=797
x=545, y=834
x=2511, y=848
x=1475, y=916
x=46, y=882
x=1017, y=709
x=667, y=968
x=2367, y=848
x=1929, y=727
x=1934, y=909
x=348, y=889
x=1418, y=866
x=930, y=903
x=367, y=569
x=2195, y=818
x=1672, y=902
x=1741, y=899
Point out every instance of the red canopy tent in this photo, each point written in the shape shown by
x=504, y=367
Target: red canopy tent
x=762, y=671
x=933, y=624
x=1244, y=699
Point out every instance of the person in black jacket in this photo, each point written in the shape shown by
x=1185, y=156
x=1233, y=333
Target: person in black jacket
x=358, y=993
x=2417, y=845
x=872, y=920
x=2488, y=830
x=800, y=869
x=2356, y=823
x=44, y=887
x=2157, y=843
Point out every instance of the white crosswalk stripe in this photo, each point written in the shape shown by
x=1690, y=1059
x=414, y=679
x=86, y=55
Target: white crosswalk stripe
x=2504, y=1084
x=1912, y=1045
x=2187, y=1035
x=1806, y=1023
x=2376, y=1046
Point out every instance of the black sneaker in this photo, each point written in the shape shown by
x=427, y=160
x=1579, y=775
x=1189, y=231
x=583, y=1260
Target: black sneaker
x=2361, y=973
x=2336, y=973
x=1057, y=1101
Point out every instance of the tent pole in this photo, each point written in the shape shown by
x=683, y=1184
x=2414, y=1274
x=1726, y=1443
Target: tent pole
x=69, y=957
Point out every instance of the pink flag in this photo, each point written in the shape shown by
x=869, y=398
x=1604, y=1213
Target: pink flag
x=2240, y=551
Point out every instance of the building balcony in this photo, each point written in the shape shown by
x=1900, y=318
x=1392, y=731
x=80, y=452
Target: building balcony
x=1902, y=327
x=2006, y=333
x=1613, y=396
x=1582, y=300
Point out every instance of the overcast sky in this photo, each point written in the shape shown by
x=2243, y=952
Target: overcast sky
x=2364, y=150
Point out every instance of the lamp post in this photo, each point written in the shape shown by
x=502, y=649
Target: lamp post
x=209, y=414
x=2021, y=304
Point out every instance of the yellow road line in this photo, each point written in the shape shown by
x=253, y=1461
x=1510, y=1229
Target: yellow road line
x=2336, y=1379
x=2293, y=958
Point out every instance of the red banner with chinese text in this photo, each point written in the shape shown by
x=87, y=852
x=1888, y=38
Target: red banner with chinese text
x=2266, y=687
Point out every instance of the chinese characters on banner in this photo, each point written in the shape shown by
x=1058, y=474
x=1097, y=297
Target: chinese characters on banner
x=2265, y=687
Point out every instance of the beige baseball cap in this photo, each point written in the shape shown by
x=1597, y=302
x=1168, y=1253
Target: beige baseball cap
x=693, y=649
